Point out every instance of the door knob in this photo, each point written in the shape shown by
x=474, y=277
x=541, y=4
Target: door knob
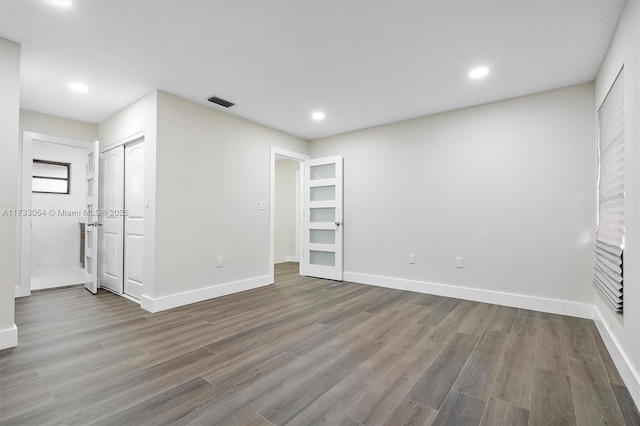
x=338, y=223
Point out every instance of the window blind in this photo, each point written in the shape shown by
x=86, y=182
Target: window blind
x=608, y=275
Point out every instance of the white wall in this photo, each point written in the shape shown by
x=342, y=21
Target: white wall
x=212, y=171
x=625, y=330
x=139, y=118
x=508, y=186
x=285, y=210
x=56, y=238
x=9, y=160
x=57, y=126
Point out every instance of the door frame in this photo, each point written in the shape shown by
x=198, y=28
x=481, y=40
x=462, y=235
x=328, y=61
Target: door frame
x=296, y=156
x=28, y=138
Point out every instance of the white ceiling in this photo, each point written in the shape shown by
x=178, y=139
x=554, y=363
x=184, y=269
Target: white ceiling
x=363, y=62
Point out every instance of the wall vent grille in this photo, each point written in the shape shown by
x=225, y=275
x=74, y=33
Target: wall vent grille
x=221, y=102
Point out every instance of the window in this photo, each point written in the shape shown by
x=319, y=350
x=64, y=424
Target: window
x=608, y=274
x=50, y=177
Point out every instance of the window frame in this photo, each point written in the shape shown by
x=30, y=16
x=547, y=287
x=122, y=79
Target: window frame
x=52, y=163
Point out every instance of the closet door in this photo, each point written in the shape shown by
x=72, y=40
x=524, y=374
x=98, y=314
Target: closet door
x=111, y=231
x=134, y=204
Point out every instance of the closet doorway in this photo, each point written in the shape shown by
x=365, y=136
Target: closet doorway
x=122, y=219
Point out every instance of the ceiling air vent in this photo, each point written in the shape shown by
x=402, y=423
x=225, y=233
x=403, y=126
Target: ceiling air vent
x=221, y=102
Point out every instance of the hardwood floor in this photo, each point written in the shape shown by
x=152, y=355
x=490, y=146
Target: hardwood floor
x=305, y=351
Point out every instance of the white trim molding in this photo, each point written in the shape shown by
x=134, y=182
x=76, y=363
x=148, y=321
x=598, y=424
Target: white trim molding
x=291, y=259
x=552, y=306
x=9, y=337
x=124, y=141
x=629, y=374
x=188, y=297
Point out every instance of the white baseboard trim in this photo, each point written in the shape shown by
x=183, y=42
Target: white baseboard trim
x=629, y=374
x=9, y=337
x=19, y=292
x=188, y=297
x=552, y=306
x=292, y=258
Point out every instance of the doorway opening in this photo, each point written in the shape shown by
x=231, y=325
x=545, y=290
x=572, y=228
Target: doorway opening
x=285, y=208
x=53, y=199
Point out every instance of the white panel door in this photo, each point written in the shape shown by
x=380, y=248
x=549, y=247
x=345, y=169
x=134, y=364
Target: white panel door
x=323, y=227
x=91, y=228
x=112, y=229
x=134, y=204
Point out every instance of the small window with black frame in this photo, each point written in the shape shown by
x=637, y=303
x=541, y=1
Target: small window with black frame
x=51, y=177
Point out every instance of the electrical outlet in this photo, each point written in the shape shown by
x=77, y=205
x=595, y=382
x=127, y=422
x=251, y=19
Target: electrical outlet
x=412, y=258
x=459, y=263
x=219, y=262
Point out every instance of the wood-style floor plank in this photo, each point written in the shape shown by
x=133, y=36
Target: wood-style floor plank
x=552, y=399
x=287, y=407
x=580, y=342
x=499, y=412
x=434, y=385
x=595, y=404
x=478, y=321
x=375, y=367
x=384, y=398
x=525, y=322
x=551, y=347
x=593, y=396
x=412, y=413
x=161, y=404
x=502, y=320
x=627, y=407
x=479, y=373
x=257, y=420
x=460, y=409
x=454, y=320
x=305, y=351
x=514, y=379
x=332, y=406
x=607, y=362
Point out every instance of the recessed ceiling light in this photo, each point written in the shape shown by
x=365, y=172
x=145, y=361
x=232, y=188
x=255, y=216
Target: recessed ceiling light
x=478, y=73
x=78, y=87
x=318, y=115
x=62, y=3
